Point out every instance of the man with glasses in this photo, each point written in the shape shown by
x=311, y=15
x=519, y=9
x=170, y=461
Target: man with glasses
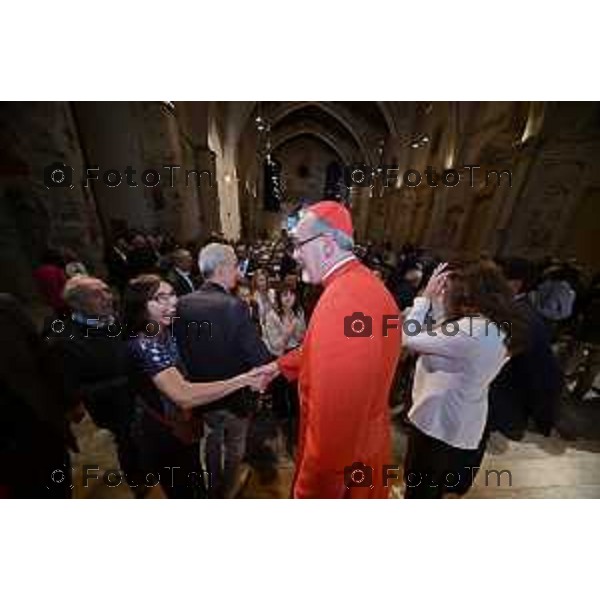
x=345, y=366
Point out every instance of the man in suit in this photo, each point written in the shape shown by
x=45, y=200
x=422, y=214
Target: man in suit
x=246, y=264
x=34, y=430
x=180, y=276
x=218, y=340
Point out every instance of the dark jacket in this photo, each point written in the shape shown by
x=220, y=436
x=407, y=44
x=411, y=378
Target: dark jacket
x=589, y=328
x=95, y=370
x=34, y=430
x=288, y=265
x=118, y=267
x=179, y=283
x=217, y=339
x=529, y=385
x=142, y=261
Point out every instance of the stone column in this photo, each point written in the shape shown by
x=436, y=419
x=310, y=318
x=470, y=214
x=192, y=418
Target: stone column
x=359, y=202
x=111, y=135
x=34, y=135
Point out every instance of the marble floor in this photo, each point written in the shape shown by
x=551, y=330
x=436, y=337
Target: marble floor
x=540, y=467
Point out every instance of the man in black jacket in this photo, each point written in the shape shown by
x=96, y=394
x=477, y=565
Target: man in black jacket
x=218, y=340
x=529, y=386
x=34, y=430
x=180, y=275
x=95, y=367
x=117, y=262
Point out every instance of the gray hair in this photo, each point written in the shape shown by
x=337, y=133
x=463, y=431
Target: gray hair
x=212, y=256
x=343, y=240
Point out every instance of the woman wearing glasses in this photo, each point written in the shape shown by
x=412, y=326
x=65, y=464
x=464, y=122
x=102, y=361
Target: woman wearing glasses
x=166, y=431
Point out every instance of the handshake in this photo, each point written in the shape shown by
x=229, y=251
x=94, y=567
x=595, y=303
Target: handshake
x=259, y=378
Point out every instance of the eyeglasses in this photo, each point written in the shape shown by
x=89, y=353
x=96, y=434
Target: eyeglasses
x=164, y=297
x=298, y=244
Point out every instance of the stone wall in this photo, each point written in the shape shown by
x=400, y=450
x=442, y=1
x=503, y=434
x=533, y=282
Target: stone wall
x=32, y=217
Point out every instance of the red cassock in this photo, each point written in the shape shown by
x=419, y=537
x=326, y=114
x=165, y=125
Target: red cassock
x=344, y=384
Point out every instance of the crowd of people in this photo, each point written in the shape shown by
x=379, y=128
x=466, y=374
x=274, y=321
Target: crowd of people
x=241, y=346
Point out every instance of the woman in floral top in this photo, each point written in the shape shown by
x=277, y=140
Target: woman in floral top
x=167, y=433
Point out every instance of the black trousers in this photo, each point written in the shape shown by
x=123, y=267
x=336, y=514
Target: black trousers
x=40, y=469
x=280, y=414
x=433, y=468
x=286, y=409
x=168, y=461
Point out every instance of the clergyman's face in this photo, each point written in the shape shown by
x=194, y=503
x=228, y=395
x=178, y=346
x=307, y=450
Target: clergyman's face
x=307, y=251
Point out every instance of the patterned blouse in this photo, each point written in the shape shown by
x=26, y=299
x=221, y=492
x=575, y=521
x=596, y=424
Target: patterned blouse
x=150, y=356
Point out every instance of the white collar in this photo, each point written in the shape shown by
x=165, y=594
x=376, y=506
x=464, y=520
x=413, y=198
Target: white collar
x=338, y=265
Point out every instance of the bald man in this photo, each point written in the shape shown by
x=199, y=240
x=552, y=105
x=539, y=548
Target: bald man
x=95, y=366
x=345, y=366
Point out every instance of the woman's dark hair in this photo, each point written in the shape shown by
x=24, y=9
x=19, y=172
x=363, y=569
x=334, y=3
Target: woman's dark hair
x=296, y=307
x=138, y=293
x=479, y=287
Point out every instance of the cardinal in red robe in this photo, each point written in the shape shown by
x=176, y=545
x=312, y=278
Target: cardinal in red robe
x=345, y=366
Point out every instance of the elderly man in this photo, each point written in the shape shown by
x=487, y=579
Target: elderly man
x=218, y=340
x=345, y=366
x=95, y=366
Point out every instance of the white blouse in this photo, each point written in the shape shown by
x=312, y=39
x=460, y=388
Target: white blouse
x=453, y=374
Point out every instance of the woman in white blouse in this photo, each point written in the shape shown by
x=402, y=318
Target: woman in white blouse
x=463, y=328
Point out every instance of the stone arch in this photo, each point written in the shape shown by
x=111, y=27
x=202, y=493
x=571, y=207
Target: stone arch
x=321, y=136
